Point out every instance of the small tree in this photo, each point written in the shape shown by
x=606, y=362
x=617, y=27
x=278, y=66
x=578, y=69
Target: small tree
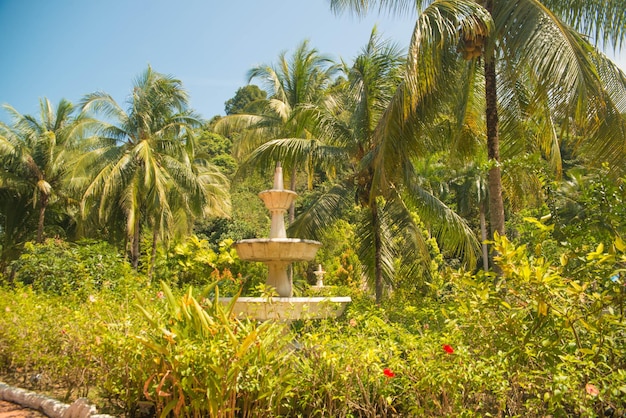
x=244, y=97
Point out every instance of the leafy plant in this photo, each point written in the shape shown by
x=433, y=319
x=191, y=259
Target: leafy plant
x=209, y=363
x=545, y=338
x=62, y=267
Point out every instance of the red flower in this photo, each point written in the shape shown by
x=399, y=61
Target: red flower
x=448, y=349
x=388, y=373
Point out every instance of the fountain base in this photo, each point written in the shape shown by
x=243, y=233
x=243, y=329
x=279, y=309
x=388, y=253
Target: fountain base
x=262, y=308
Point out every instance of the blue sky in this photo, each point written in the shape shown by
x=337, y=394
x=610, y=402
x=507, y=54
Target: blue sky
x=68, y=48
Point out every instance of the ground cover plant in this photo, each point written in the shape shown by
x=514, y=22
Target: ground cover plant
x=542, y=339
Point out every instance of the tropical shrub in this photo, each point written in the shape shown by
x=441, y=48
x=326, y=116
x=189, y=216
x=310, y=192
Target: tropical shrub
x=208, y=363
x=588, y=208
x=63, y=267
x=194, y=262
x=83, y=346
x=559, y=339
x=542, y=339
x=337, y=256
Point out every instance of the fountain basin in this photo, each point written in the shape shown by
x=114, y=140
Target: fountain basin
x=263, y=308
x=277, y=249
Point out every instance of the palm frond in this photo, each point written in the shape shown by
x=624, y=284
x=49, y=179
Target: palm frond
x=103, y=104
x=431, y=64
x=323, y=211
x=452, y=232
x=362, y=7
x=604, y=20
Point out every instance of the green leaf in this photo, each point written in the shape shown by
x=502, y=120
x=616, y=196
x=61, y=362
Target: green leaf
x=168, y=408
x=246, y=343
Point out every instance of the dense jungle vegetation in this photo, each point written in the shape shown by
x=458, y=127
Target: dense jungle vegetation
x=469, y=194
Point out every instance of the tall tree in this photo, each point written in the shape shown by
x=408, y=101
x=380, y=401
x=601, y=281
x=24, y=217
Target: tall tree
x=345, y=149
x=145, y=165
x=528, y=40
x=36, y=152
x=292, y=84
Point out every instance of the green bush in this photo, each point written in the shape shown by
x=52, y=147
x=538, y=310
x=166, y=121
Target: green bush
x=554, y=339
x=543, y=339
x=62, y=267
x=83, y=346
x=207, y=363
x=193, y=262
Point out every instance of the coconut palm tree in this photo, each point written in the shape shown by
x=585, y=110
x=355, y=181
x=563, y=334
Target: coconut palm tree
x=346, y=147
x=144, y=164
x=35, y=152
x=292, y=85
x=528, y=40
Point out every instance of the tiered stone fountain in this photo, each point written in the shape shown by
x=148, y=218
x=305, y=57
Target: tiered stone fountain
x=278, y=252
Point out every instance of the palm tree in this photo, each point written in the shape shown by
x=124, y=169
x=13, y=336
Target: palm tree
x=292, y=85
x=35, y=153
x=144, y=165
x=528, y=41
x=346, y=148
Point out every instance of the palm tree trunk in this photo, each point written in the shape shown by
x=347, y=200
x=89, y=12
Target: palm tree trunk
x=496, y=205
x=378, y=270
x=134, y=250
x=42, y=217
x=155, y=237
x=483, y=236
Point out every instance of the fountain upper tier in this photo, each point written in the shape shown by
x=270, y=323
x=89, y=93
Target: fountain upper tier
x=277, y=201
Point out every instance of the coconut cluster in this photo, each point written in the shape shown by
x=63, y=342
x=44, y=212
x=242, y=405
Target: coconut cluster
x=471, y=43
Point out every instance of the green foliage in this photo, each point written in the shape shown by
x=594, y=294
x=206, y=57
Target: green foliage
x=63, y=268
x=78, y=344
x=244, y=98
x=582, y=213
x=194, y=262
x=144, y=169
x=588, y=205
x=250, y=218
x=545, y=338
x=338, y=257
x=552, y=335
x=216, y=149
x=18, y=222
x=210, y=364
x=34, y=175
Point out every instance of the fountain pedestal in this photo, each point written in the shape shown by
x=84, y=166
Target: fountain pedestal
x=278, y=252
